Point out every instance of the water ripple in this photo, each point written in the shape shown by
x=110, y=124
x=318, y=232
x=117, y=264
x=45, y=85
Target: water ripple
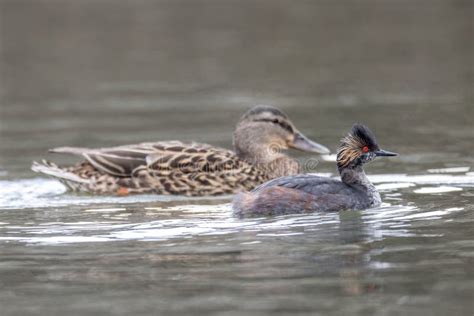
x=65, y=218
x=377, y=223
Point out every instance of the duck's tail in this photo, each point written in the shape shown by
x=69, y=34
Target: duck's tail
x=53, y=170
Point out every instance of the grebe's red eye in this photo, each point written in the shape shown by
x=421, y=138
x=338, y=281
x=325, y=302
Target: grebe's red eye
x=365, y=149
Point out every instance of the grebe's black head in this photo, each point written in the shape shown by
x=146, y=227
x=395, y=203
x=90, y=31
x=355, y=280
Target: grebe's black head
x=265, y=127
x=359, y=147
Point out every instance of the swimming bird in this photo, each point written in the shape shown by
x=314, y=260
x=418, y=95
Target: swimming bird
x=309, y=193
x=191, y=169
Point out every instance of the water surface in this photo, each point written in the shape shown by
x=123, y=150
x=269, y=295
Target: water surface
x=106, y=73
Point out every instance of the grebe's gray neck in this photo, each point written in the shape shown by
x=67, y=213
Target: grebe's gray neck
x=355, y=177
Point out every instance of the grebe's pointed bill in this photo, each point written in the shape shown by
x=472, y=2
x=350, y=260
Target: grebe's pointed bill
x=384, y=153
x=303, y=143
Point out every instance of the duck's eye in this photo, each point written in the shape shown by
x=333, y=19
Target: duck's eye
x=365, y=149
x=276, y=121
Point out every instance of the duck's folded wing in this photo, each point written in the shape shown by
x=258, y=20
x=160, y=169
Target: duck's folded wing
x=123, y=160
x=193, y=158
x=160, y=156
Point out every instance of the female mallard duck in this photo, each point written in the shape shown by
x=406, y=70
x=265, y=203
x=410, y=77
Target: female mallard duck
x=173, y=167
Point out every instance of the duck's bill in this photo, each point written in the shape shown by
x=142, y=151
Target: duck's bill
x=384, y=153
x=303, y=143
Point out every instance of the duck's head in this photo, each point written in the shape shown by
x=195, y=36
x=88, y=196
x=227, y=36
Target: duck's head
x=359, y=147
x=264, y=131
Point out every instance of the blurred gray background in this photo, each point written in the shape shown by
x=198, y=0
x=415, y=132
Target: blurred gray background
x=109, y=72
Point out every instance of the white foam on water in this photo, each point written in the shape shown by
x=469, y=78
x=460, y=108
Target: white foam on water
x=440, y=189
x=450, y=170
x=46, y=193
x=56, y=239
x=394, y=186
x=105, y=210
x=422, y=179
x=430, y=215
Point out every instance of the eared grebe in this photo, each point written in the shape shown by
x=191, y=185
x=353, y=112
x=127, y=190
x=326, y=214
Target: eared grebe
x=191, y=169
x=308, y=193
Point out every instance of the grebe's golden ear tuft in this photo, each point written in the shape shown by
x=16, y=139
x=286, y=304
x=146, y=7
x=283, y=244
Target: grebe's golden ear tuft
x=345, y=155
x=359, y=141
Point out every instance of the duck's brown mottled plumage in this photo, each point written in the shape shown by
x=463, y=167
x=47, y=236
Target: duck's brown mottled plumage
x=164, y=167
x=173, y=167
